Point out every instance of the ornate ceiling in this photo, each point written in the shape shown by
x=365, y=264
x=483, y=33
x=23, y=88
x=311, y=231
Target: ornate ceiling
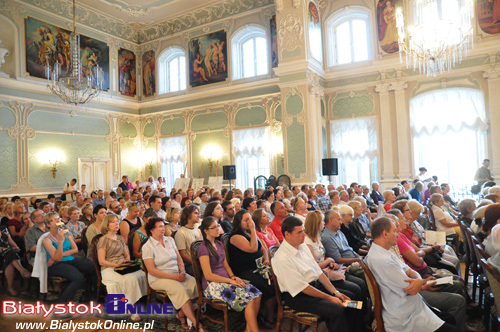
x=144, y=12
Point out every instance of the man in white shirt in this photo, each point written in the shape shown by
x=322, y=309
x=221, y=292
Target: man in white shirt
x=155, y=203
x=303, y=284
x=70, y=190
x=403, y=307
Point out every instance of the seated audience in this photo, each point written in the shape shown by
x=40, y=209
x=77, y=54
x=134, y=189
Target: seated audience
x=301, y=210
x=187, y=234
x=335, y=199
x=311, y=200
x=356, y=227
x=112, y=252
x=60, y=247
x=249, y=204
x=173, y=219
x=403, y=308
x=313, y=227
x=10, y=260
x=491, y=218
x=303, y=284
x=279, y=211
x=95, y=228
x=444, y=221
x=33, y=234
x=346, y=214
x=16, y=226
x=375, y=194
x=215, y=210
x=415, y=192
x=166, y=270
x=132, y=221
x=236, y=203
x=478, y=215
x=495, y=241
x=264, y=233
x=466, y=208
x=218, y=279
x=229, y=212
x=389, y=198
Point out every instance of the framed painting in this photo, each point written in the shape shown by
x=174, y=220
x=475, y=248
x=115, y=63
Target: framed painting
x=208, y=58
x=148, y=73
x=315, y=47
x=386, y=23
x=127, y=72
x=274, y=41
x=94, y=52
x=488, y=16
x=47, y=43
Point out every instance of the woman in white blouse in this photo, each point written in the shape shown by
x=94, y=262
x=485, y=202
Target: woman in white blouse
x=166, y=271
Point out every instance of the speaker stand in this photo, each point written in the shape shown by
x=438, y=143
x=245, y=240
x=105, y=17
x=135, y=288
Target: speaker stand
x=229, y=184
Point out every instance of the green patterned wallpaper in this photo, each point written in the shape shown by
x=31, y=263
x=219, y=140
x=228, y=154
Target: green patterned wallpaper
x=322, y=108
x=294, y=104
x=277, y=113
x=173, y=127
x=72, y=146
x=323, y=136
x=199, y=143
x=295, y=53
x=149, y=130
x=65, y=123
x=128, y=129
x=255, y=115
x=150, y=150
x=7, y=118
x=347, y=107
x=296, y=149
x=8, y=153
x=212, y=121
x=130, y=159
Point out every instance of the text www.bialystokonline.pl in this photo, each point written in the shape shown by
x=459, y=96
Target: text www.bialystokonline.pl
x=57, y=324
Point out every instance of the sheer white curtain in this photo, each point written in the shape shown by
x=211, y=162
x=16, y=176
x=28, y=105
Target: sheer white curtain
x=449, y=133
x=251, y=155
x=354, y=143
x=173, y=156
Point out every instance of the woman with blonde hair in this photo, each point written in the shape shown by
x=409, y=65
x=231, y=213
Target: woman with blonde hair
x=132, y=221
x=7, y=213
x=301, y=210
x=389, y=198
x=173, y=219
x=313, y=227
x=86, y=215
x=112, y=252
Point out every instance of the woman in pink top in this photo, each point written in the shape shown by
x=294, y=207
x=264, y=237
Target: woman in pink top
x=265, y=234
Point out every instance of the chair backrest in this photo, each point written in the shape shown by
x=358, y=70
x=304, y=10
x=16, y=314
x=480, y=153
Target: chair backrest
x=272, y=251
x=482, y=253
x=95, y=259
x=130, y=243
x=225, y=241
x=375, y=295
x=85, y=243
x=197, y=267
x=432, y=219
x=494, y=281
x=468, y=235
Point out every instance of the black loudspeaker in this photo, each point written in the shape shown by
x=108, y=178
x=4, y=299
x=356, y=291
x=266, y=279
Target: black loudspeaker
x=229, y=172
x=330, y=166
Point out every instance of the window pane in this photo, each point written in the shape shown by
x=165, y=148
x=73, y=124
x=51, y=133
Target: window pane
x=360, y=40
x=173, y=69
x=343, y=43
x=248, y=58
x=261, y=56
x=182, y=72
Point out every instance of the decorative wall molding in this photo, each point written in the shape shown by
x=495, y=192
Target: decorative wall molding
x=290, y=32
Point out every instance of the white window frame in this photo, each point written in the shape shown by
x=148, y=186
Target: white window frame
x=338, y=18
x=164, y=60
x=172, y=160
x=250, y=32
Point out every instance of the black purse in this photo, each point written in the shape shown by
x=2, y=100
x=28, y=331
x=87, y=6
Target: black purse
x=128, y=269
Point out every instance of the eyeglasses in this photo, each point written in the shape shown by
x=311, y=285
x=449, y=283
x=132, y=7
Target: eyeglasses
x=406, y=210
x=214, y=227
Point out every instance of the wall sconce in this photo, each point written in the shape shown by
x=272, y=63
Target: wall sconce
x=54, y=167
x=52, y=157
x=150, y=157
x=212, y=152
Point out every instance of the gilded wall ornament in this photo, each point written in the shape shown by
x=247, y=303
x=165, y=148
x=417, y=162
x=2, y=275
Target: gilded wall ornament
x=291, y=32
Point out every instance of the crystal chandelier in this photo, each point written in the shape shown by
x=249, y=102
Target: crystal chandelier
x=439, y=37
x=75, y=88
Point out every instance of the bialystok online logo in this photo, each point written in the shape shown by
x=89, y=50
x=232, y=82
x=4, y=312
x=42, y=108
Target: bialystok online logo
x=116, y=304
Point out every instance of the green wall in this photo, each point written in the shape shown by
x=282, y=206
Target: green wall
x=8, y=153
x=199, y=143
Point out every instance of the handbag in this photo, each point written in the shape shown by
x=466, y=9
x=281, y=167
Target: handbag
x=128, y=268
x=335, y=275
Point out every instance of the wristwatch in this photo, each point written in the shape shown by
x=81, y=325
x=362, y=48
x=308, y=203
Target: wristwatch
x=336, y=292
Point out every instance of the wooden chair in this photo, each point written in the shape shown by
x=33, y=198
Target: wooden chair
x=160, y=295
x=376, y=298
x=475, y=264
x=284, y=311
x=494, y=281
x=468, y=249
x=432, y=219
x=84, y=243
x=202, y=299
x=95, y=260
x=482, y=280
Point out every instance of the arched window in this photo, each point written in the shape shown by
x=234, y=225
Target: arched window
x=249, y=52
x=349, y=37
x=172, y=70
